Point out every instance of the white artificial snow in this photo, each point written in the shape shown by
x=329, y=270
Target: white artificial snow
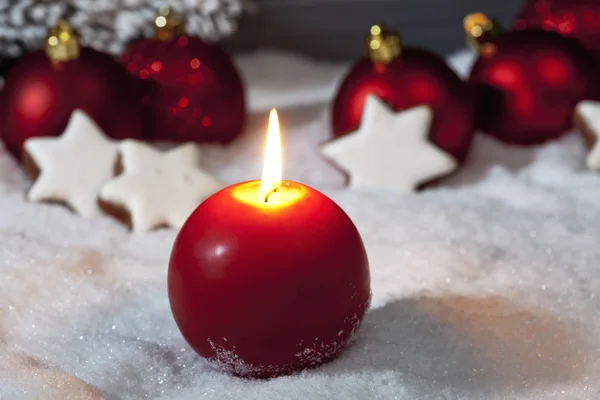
x=484, y=286
x=290, y=79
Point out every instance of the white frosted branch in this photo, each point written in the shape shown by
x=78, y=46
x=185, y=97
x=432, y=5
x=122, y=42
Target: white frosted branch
x=109, y=24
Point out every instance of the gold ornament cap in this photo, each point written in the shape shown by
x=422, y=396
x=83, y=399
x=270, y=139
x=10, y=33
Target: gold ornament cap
x=383, y=45
x=480, y=31
x=62, y=43
x=168, y=25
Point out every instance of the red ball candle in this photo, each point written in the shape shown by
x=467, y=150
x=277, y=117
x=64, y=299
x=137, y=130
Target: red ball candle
x=268, y=277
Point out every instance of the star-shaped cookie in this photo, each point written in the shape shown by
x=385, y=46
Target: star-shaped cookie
x=71, y=168
x=587, y=119
x=390, y=150
x=157, y=188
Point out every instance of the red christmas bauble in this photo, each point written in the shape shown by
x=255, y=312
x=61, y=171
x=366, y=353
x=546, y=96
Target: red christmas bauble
x=527, y=87
x=575, y=18
x=262, y=289
x=40, y=94
x=193, y=90
x=411, y=78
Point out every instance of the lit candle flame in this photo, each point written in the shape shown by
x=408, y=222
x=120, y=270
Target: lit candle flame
x=271, y=175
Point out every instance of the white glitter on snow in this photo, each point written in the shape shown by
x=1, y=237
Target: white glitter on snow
x=484, y=287
x=317, y=352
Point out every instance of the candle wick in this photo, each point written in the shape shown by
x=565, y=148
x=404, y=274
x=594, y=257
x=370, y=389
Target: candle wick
x=269, y=194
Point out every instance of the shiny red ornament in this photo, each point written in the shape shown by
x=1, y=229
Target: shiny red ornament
x=262, y=289
x=405, y=78
x=40, y=94
x=574, y=18
x=528, y=84
x=193, y=91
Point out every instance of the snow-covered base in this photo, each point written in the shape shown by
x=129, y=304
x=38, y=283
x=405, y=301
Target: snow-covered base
x=311, y=354
x=485, y=287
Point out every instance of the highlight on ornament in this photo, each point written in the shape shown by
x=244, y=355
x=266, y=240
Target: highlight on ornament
x=62, y=42
x=481, y=31
x=383, y=45
x=476, y=23
x=246, y=264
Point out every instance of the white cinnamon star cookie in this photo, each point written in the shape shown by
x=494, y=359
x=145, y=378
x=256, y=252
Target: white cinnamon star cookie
x=587, y=119
x=157, y=188
x=71, y=168
x=390, y=149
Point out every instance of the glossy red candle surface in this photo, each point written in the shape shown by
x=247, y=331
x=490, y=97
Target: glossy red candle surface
x=263, y=289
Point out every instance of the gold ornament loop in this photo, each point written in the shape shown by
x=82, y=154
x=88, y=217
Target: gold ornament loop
x=480, y=30
x=383, y=45
x=62, y=43
x=168, y=24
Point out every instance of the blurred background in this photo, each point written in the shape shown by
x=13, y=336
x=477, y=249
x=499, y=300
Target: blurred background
x=335, y=29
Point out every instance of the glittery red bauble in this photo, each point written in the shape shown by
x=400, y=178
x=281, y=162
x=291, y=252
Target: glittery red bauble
x=527, y=89
x=193, y=90
x=262, y=290
x=415, y=78
x=576, y=18
x=39, y=97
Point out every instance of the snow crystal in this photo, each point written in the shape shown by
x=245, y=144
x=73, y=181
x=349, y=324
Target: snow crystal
x=310, y=354
x=485, y=286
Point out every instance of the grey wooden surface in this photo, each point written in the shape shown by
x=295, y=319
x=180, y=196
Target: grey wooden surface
x=335, y=29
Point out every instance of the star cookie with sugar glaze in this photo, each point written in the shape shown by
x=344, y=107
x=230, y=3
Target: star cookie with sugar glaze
x=390, y=150
x=587, y=120
x=157, y=188
x=71, y=168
